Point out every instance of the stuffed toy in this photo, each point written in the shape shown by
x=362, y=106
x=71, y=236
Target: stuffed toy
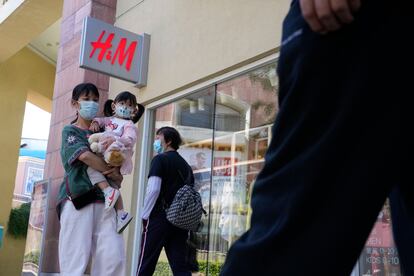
x=113, y=154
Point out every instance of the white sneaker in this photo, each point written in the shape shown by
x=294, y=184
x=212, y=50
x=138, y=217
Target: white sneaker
x=111, y=196
x=123, y=221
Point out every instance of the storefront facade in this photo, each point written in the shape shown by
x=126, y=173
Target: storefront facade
x=212, y=76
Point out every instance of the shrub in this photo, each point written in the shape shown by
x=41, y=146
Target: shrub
x=18, y=221
x=163, y=268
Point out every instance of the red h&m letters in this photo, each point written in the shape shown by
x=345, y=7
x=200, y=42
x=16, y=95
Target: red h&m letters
x=120, y=53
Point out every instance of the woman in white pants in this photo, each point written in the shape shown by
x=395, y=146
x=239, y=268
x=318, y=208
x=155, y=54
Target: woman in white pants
x=86, y=229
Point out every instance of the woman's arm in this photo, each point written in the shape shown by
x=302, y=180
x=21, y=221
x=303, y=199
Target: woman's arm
x=151, y=196
x=97, y=163
x=75, y=148
x=114, y=174
x=93, y=161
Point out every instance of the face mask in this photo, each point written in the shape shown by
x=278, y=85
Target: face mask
x=88, y=109
x=123, y=111
x=157, y=146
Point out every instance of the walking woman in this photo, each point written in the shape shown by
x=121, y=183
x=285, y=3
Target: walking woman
x=163, y=183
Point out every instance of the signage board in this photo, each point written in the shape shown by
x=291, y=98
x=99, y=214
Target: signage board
x=114, y=51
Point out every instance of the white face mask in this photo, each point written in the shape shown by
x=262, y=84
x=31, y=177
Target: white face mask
x=123, y=111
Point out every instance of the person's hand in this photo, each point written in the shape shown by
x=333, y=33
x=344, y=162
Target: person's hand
x=94, y=127
x=114, y=174
x=107, y=141
x=325, y=16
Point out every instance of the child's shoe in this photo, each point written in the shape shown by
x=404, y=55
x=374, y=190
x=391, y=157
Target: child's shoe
x=111, y=196
x=124, y=218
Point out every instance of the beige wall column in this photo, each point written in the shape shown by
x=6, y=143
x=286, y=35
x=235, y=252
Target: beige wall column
x=68, y=75
x=23, y=73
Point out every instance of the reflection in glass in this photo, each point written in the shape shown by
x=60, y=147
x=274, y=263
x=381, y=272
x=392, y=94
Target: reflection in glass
x=192, y=116
x=226, y=131
x=379, y=256
x=245, y=110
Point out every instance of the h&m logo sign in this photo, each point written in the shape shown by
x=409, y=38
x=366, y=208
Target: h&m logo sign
x=114, y=51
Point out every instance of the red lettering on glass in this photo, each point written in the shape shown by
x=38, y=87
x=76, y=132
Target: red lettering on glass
x=225, y=162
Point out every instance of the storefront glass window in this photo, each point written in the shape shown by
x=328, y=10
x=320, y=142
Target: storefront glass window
x=246, y=107
x=193, y=117
x=226, y=129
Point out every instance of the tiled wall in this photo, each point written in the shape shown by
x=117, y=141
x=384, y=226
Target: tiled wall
x=68, y=75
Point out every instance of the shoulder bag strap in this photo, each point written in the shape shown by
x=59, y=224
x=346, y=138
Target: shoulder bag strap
x=188, y=180
x=69, y=194
x=165, y=205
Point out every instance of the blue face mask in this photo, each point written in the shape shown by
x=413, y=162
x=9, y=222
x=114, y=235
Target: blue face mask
x=88, y=109
x=157, y=146
x=123, y=111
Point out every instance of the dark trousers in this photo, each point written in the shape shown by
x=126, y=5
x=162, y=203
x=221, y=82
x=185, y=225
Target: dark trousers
x=338, y=148
x=159, y=233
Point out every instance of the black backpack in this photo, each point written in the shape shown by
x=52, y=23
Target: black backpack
x=186, y=209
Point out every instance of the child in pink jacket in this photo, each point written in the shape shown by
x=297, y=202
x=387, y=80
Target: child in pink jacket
x=120, y=134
